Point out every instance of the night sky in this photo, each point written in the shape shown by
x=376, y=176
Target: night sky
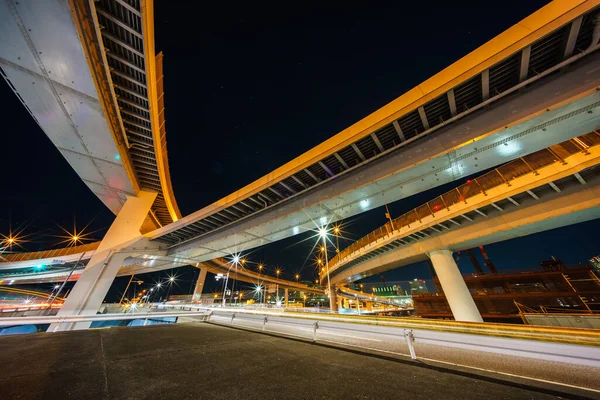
x=248, y=90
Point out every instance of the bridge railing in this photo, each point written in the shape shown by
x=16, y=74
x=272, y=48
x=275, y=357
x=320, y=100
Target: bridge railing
x=38, y=255
x=579, y=336
x=199, y=315
x=497, y=177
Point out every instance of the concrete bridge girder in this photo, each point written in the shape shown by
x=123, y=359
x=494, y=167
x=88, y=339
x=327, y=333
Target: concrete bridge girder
x=518, y=125
x=573, y=205
x=542, y=176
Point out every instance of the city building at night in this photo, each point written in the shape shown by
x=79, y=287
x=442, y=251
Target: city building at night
x=418, y=286
x=500, y=297
x=595, y=264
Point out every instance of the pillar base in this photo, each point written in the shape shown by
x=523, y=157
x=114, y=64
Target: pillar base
x=455, y=289
x=333, y=301
x=95, y=281
x=199, y=286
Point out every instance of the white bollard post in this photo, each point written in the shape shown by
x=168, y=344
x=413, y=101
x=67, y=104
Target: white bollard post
x=315, y=327
x=410, y=338
x=264, y=323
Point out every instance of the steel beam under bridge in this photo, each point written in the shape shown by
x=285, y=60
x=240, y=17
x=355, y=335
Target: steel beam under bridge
x=559, y=108
x=575, y=204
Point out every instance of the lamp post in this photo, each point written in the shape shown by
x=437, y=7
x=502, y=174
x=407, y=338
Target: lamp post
x=277, y=271
x=323, y=234
x=260, y=294
x=234, y=261
x=171, y=281
x=155, y=290
x=225, y=288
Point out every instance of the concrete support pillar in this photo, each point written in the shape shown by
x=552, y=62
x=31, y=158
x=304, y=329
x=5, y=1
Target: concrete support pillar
x=199, y=285
x=461, y=302
x=285, y=297
x=95, y=281
x=333, y=300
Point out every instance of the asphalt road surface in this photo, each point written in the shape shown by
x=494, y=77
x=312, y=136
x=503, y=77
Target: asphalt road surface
x=559, y=372
x=201, y=360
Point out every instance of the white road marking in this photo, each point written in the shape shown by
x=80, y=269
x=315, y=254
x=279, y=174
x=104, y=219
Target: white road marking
x=470, y=367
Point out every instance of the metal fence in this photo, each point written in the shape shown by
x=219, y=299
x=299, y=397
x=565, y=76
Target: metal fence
x=201, y=315
x=540, y=342
x=499, y=176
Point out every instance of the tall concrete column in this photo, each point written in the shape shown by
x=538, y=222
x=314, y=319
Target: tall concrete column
x=333, y=300
x=199, y=285
x=95, y=281
x=461, y=302
x=285, y=297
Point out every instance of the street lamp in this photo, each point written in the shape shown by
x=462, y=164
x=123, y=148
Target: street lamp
x=277, y=271
x=323, y=234
x=260, y=268
x=297, y=277
x=336, y=231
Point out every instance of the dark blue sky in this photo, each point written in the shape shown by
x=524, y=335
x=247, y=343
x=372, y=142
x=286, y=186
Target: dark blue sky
x=249, y=89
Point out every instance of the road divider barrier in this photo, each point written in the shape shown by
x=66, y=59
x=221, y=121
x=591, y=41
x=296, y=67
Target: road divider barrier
x=198, y=316
x=364, y=332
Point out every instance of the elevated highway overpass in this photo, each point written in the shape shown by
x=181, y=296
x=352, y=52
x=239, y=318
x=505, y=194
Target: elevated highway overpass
x=60, y=264
x=88, y=74
x=531, y=87
x=540, y=192
x=523, y=91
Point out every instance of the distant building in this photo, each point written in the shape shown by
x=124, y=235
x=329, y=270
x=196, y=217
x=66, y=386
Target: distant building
x=418, y=286
x=394, y=293
x=385, y=291
x=503, y=296
x=595, y=264
x=180, y=297
x=400, y=291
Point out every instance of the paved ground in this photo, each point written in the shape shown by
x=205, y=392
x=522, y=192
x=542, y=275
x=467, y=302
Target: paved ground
x=207, y=361
x=569, y=374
